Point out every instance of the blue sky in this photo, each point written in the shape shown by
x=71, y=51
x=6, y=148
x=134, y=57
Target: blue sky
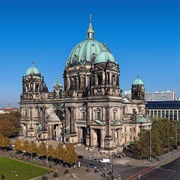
x=143, y=36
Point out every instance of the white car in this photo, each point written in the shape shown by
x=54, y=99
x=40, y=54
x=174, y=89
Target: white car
x=104, y=160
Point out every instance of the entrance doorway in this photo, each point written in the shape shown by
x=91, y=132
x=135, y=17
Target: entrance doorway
x=98, y=137
x=84, y=133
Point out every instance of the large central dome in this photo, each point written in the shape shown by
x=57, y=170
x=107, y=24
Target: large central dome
x=86, y=51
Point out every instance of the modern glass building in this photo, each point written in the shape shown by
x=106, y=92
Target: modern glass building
x=164, y=109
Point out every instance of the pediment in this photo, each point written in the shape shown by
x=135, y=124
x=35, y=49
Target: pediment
x=126, y=99
x=98, y=122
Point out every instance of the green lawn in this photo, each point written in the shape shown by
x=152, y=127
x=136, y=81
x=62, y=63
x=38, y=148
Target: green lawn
x=23, y=170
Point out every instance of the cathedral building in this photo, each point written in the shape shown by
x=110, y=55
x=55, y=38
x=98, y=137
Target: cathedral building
x=90, y=109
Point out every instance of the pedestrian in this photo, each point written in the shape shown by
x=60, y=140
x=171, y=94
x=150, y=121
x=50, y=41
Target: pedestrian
x=16, y=176
x=3, y=177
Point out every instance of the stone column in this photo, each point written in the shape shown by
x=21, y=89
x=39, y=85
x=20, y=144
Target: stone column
x=44, y=118
x=66, y=117
x=77, y=82
x=103, y=78
x=92, y=117
x=95, y=79
x=107, y=121
x=102, y=137
x=108, y=139
x=31, y=117
x=88, y=118
x=68, y=83
x=110, y=78
x=50, y=131
x=85, y=81
x=72, y=120
x=92, y=137
x=79, y=135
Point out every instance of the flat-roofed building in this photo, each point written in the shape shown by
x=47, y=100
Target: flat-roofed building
x=160, y=96
x=164, y=109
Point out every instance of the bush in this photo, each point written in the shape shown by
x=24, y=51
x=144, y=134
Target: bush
x=55, y=174
x=66, y=171
x=44, y=178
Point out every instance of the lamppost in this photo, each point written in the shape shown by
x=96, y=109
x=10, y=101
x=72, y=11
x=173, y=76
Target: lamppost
x=63, y=127
x=89, y=154
x=150, y=144
x=176, y=132
x=31, y=146
x=47, y=150
x=170, y=146
x=31, y=150
x=112, y=167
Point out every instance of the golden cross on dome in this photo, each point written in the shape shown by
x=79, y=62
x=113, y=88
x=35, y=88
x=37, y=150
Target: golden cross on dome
x=90, y=17
x=32, y=62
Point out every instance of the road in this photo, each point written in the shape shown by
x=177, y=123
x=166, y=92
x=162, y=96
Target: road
x=170, y=171
x=119, y=169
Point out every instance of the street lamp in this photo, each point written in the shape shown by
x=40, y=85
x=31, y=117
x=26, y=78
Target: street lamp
x=31, y=146
x=63, y=127
x=112, y=168
x=47, y=150
x=150, y=144
x=31, y=150
x=89, y=154
x=170, y=146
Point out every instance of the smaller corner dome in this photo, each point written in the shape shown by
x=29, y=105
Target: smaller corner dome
x=104, y=56
x=138, y=81
x=33, y=71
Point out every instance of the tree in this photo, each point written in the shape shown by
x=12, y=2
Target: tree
x=141, y=147
x=59, y=152
x=34, y=148
x=10, y=124
x=70, y=155
x=50, y=151
x=8, y=129
x=15, y=114
x=42, y=149
x=163, y=136
x=5, y=142
x=18, y=145
x=156, y=145
x=1, y=137
x=25, y=146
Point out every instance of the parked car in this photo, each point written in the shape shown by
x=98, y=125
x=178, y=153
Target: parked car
x=80, y=157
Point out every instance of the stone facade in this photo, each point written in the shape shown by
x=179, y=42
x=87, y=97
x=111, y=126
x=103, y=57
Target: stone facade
x=90, y=110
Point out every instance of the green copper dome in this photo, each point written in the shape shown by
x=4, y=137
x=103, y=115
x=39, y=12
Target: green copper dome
x=33, y=71
x=138, y=81
x=104, y=56
x=84, y=52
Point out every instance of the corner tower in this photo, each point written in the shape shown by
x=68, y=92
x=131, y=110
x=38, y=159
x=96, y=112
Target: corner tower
x=138, y=89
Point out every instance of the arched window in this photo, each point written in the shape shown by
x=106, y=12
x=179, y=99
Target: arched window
x=99, y=79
